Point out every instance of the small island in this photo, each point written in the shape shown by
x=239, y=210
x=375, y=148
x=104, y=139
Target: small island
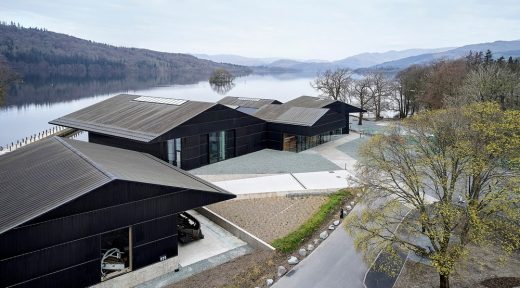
x=221, y=81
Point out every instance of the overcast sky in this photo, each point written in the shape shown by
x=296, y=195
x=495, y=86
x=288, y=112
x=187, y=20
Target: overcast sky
x=297, y=29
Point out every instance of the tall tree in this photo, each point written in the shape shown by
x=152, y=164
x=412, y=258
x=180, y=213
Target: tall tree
x=411, y=82
x=380, y=90
x=491, y=82
x=430, y=157
x=360, y=92
x=443, y=80
x=333, y=84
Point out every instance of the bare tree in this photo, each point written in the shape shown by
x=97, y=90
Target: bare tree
x=379, y=91
x=490, y=82
x=334, y=84
x=221, y=76
x=360, y=91
x=410, y=84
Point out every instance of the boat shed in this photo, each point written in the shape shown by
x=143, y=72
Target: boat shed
x=188, y=134
x=65, y=204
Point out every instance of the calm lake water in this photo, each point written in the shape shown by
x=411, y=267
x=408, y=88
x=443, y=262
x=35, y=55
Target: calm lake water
x=29, y=114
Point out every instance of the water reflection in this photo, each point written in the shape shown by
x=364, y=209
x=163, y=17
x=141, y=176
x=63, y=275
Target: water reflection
x=222, y=88
x=61, y=90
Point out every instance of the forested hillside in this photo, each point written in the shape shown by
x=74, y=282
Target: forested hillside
x=38, y=54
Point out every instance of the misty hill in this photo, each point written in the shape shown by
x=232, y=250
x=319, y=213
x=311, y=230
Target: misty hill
x=311, y=66
x=40, y=54
x=499, y=48
x=371, y=59
x=352, y=62
x=236, y=59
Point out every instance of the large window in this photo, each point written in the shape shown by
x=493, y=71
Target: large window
x=221, y=145
x=174, y=151
x=297, y=143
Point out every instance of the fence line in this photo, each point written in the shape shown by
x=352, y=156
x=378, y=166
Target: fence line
x=56, y=130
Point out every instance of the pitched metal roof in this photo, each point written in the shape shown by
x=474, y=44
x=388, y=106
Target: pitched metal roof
x=139, y=167
x=247, y=102
x=134, y=117
x=51, y=172
x=286, y=114
x=319, y=102
x=310, y=102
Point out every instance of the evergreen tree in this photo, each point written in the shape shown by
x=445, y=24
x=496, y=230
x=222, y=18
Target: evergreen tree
x=488, y=58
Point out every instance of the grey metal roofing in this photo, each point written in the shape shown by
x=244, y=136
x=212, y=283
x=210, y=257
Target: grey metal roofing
x=286, y=114
x=319, y=102
x=246, y=102
x=310, y=102
x=137, y=120
x=51, y=172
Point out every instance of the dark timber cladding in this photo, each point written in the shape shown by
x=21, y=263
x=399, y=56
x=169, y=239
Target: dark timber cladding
x=60, y=198
x=334, y=105
x=161, y=125
x=285, y=119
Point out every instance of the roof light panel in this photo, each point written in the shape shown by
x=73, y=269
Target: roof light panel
x=160, y=100
x=249, y=99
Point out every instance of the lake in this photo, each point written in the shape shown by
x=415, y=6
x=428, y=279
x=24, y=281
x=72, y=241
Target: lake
x=29, y=108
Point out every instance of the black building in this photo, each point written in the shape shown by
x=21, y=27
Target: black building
x=64, y=204
x=295, y=129
x=190, y=134
x=334, y=105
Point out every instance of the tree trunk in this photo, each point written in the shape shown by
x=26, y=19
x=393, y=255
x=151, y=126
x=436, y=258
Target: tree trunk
x=444, y=281
x=360, y=121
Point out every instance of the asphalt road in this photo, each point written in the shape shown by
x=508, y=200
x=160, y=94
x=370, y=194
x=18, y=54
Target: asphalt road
x=334, y=263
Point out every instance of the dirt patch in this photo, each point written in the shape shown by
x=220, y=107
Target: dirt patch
x=269, y=218
x=254, y=269
x=482, y=264
x=247, y=271
x=501, y=282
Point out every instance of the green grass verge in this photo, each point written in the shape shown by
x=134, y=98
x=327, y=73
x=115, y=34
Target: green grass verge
x=294, y=239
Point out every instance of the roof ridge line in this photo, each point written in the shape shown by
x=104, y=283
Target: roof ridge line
x=85, y=158
x=186, y=173
x=183, y=122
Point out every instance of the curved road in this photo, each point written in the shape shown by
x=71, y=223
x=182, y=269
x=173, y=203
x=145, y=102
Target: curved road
x=334, y=263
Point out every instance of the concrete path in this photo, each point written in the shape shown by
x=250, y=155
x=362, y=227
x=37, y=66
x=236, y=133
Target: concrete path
x=330, y=152
x=301, y=182
x=335, y=263
x=216, y=241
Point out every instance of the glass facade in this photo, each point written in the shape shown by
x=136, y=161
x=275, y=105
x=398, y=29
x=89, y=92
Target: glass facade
x=217, y=146
x=174, y=151
x=297, y=143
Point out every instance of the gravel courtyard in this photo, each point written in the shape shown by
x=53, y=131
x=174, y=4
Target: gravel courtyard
x=268, y=161
x=269, y=218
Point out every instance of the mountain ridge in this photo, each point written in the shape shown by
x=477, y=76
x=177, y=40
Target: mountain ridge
x=498, y=48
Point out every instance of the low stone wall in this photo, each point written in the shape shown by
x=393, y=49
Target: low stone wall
x=298, y=193
x=232, y=228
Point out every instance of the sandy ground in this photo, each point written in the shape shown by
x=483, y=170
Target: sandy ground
x=269, y=218
x=481, y=264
